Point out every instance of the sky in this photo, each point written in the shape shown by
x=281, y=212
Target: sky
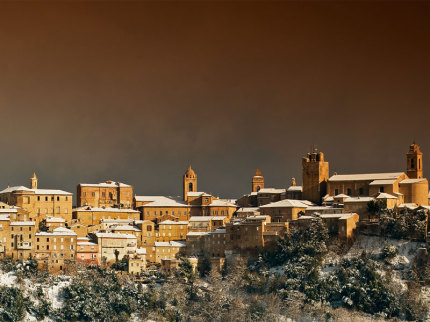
x=137, y=91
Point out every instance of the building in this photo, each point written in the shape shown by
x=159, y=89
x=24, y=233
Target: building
x=172, y=230
x=22, y=239
x=155, y=208
x=268, y=195
x=168, y=250
x=137, y=262
x=55, y=249
x=189, y=182
x=54, y=222
x=148, y=234
x=105, y=194
x=414, y=162
x=257, y=181
x=87, y=251
x=285, y=210
x=90, y=216
x=315, y=176
x=39, y=203
x=114, y=247
x=206, y=223
x=5, y=236
x=294, y=192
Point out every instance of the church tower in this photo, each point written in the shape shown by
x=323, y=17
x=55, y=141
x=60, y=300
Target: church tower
x=33, y=181
x=257, y=181
x=315, y=176
x=190, y=182
x=414, y=162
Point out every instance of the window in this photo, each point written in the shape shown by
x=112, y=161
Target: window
x=52, y=198
x=190, y=186
x=348, y=192
x=47, y=247
x=85, y=193
x=110, y=195
x=93, y=194
x=38, y=198
x=67, y=198
x=46, y=198
x=148, y=228
x=412, y=163
x=336, y=192
x=381, y=189
x=361, y=191
x=58, y=198
x=103, y=194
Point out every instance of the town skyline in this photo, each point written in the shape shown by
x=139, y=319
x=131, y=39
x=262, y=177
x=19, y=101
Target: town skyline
x=226, y=87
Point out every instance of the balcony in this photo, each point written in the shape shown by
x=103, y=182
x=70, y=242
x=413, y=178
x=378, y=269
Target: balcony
x=24, y=245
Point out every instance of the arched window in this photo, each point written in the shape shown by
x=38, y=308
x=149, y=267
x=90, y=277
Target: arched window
x=190, y=186
x=419, y=164
x=412, y=163
x=258, y=188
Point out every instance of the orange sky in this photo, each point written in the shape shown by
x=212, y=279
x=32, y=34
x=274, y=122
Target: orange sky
x=136, y=91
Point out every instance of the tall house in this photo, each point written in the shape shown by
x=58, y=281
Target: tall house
x=414, y=162
x=190, y=182
x=105, y=194
x=257, y=181
x=315, y=176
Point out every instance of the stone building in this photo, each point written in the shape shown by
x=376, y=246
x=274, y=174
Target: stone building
x=154, y=208
x=87, y=251
x=315, y=176
x=168, y=250
x=55, y=249
x=172, y=230
x=414, y=162
x=189, y=182
x=22, y=239
x=285, y=210
x=257, y=181
x=115, y=246
x=90, y=216
x=39, y=203
x=105, y=194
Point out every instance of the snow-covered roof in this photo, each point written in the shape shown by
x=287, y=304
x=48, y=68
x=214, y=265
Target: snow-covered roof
x=4, y=218
x=194, y=194
x=382, y=182
x=115, y=235
x=108, y=209
x=170, y=244
x=116, y=221
x=171, y=222
x=36, y=191
x=54, y=219
x=358, y=199
x=221, y=203
x=365, y=176
x=286, y=203
x=86, y=243
x=271, y=190
x=8, y=211
x=409, y=181
x=141, y=251
x=384, y=195
x=60, y=231
x=197, y=233
x=160, y=201
x=23, y=223
x=125, y=228
x=219, y=231
x=295, y=188
x=248, y=209
x=205, y=218
x=107, y=184
x=410, y=206
x=341, y=196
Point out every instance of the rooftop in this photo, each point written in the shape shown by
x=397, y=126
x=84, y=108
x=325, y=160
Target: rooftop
x=365, y=176
x=107, y=184
x=287, y=203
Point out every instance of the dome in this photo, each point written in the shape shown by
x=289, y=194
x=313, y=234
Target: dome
x=190, y=173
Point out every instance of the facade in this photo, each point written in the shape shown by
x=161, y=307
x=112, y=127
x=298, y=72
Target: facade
x=155, y=208
x=172, y=230
x=90, y=216
x=105, y=194
x=168, y=250
x=55, y=249
x=22, y=239
x=315, y=176
x=268, y=195
x=39, y=203
x=189, y=182
x=87, y=251
x=115, y=246
x=257, y=181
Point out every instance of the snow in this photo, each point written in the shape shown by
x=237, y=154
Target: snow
x=7, y=279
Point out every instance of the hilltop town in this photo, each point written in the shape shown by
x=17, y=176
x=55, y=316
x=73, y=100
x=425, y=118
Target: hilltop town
x=112, y=223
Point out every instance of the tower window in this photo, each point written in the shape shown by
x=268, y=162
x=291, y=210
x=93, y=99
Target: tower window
x=412, y=163
x=419, y=164
x=190, y=186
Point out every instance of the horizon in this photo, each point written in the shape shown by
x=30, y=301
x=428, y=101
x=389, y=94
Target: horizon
x=136, y=91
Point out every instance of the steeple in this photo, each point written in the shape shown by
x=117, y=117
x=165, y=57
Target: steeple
x=189, y=182
x=33, y=181
x=257, y=181
x=315, y=176
x=414, y=159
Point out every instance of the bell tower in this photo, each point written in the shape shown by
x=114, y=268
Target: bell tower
x=190, y=182
x=33, y=181
x=414, y=162
x=315, y=176
x=257, y=181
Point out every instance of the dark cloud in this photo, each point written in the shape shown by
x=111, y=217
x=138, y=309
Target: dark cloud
x=136, y=91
